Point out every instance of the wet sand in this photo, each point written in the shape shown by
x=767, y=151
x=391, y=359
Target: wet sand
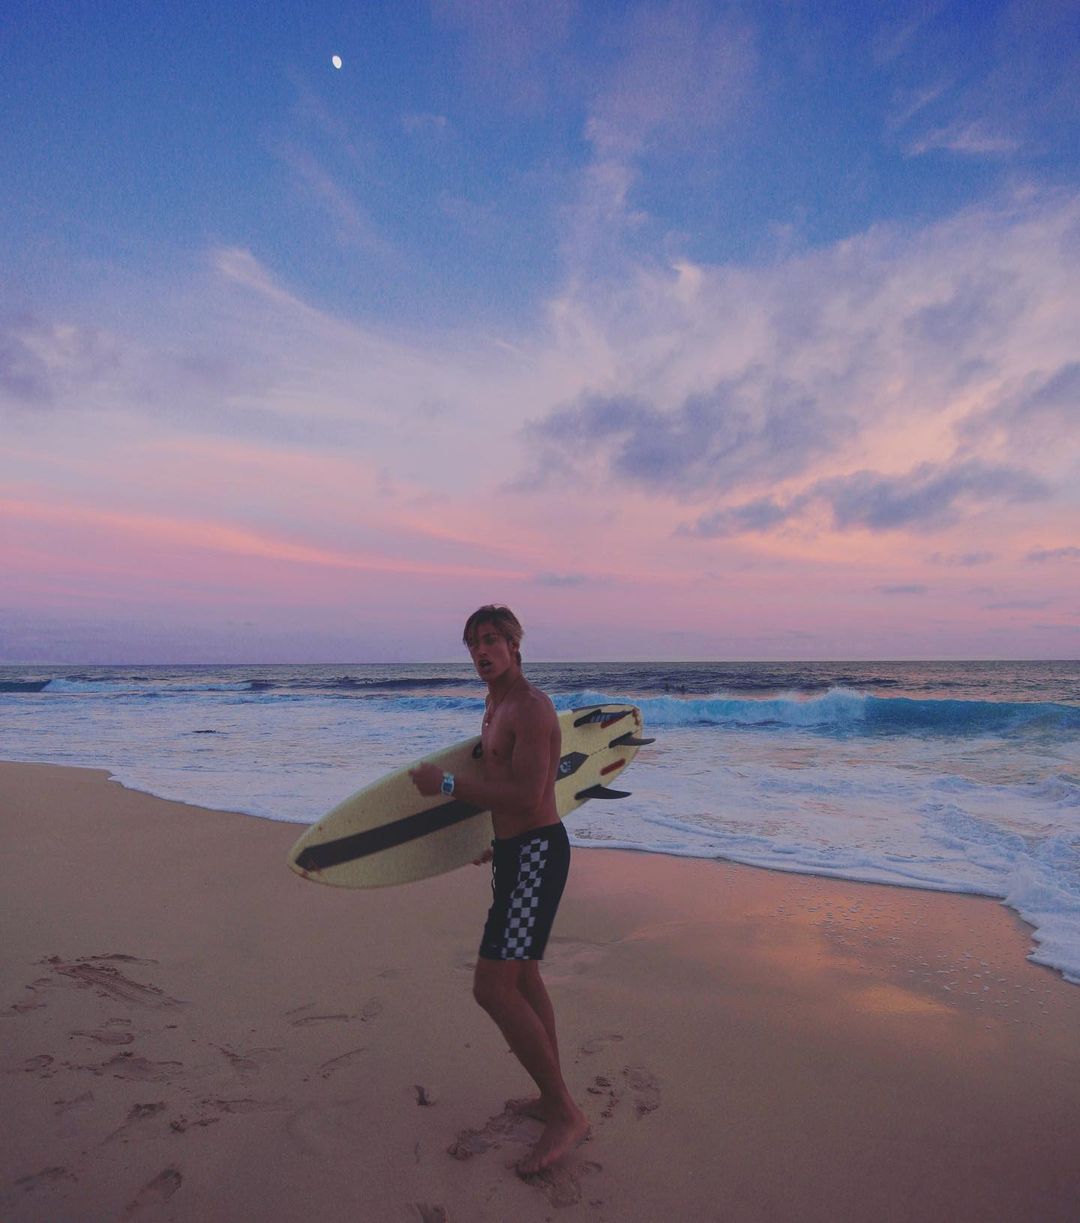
x=192, y=1032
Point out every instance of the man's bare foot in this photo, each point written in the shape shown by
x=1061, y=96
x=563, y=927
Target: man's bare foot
x=559, y=1138
x=528, y=1106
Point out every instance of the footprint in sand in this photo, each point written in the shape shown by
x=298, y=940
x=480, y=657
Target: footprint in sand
x=250, y=1063
x=432, y=1214
x=181, y=1124
x=21, y=1008
x=41, y=1065
x=46, y=1178
x=598, y=1044
x=137, y=1114
x=567, y=958
x=337, y=1128
x=603, y=1086
x=299, y=1018
x=511, y=1125
x=106, y=1036
x=71, y=1116
x=340, y=1062
x=154, y=1192
x=141, y=1069
x=101, y=974
x=61, y=1107
x=469, y=1143
x=561, y=1185
x=306, y=1021
x=33, y=1003
x=303, y=1016
x=246, y=1105
x=641, y=1083
x=646, y=1089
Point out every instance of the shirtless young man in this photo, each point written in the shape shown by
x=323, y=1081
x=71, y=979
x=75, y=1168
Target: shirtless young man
x=531, y=857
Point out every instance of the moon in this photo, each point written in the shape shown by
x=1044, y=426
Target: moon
x=336, y=60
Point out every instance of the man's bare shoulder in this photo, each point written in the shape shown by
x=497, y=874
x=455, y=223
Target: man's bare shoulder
x=533, y=707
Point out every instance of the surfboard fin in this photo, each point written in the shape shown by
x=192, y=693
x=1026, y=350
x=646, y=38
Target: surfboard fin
x=629, y=740
x=601, y=792
x=601, y=715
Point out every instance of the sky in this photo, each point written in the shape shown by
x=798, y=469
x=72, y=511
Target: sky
x=689, y=330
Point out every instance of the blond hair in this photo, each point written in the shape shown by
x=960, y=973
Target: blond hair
x=504, y=620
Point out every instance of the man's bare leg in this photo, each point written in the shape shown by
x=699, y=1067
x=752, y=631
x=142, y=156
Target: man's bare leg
x=532, y=988
x=497, y=988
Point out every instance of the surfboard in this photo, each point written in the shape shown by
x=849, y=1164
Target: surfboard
x=389, y=833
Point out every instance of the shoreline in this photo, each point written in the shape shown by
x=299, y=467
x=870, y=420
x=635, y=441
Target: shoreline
x=193, y=1032
x=1036, y=954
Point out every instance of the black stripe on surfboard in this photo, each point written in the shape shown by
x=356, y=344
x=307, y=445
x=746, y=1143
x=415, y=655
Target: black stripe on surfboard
x=375, y=840
x=601, y=792
x=604, y=716
x=408, y=828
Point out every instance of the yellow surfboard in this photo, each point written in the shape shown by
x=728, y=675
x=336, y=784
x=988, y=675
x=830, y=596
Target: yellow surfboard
x=389, y=833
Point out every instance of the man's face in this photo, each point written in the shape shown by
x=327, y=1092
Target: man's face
x=491, y=653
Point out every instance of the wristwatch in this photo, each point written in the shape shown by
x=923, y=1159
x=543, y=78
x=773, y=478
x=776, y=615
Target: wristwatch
x=447, y=786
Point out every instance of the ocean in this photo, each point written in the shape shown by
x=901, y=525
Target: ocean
x=955, y=776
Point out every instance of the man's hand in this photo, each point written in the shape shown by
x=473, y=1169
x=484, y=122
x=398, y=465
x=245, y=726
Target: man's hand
x=427, y=778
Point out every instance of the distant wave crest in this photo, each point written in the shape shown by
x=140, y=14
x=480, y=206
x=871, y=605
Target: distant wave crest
x=844, y=710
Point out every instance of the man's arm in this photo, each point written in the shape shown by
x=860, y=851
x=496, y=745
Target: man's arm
x=522, y=789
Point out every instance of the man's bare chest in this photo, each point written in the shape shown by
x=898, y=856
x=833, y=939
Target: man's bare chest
x=497, y=743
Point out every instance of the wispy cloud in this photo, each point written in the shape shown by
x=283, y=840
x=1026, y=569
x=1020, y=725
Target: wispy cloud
x=1018, y=605
x=352, y=222
x=42, y=361
x=754, y=516
x=1047, y=405
x=1042, y=556
x=507, y=46
x=970, y=139
x=739, y=432
x=561, y=579
x=864, y=386
x=226, y=538
x=909, y=102
x=1004, y=90
x=425, y=124
x=681, y=68
x=897, y=36
x=930, y=497
x=961, y=560
x=678, y=74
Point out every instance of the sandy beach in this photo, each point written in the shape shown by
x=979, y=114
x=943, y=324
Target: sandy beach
x=191, y=1032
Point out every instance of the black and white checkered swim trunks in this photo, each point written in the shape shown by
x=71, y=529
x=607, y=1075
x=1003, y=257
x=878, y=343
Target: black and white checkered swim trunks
x=528, y=876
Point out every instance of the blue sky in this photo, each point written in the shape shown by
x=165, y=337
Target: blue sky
x=433, y=172
x=817, y=259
